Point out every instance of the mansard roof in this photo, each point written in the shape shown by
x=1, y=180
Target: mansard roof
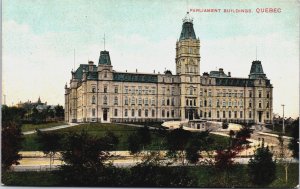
x=90, y=73
x=135, y=77
x=104, y=58
x=257, y=71
x=187, y=31
x=238, y=82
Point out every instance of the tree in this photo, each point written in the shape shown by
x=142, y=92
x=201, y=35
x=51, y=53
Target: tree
x=177, y=141
x=138, y=140
x=134, y=143
x=85, y=157
x=50, y=142
x=59, y=111
x=294, y=143
x=11, y=136
x=144, y=136
x=198, y=142
x=262, y=168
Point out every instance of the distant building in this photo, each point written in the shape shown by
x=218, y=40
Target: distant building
x=30, y=105
x=97, y=93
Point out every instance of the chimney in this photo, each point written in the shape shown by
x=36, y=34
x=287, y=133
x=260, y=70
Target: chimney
x=221, y=70
x=91, y=63
x=229, y=74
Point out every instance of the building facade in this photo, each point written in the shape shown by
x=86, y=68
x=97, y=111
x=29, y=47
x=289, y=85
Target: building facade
x=97, y=93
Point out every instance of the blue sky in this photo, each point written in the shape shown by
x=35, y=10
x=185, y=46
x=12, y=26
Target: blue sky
x=39, y=38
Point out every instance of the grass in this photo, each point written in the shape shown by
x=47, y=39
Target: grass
x=278, y=129
x=121, y=131
x=205, y=176
x=30, y=127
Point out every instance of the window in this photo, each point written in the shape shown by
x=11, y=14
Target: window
x=268, y=95
x=209, y=93
x=132, y=113
x=132, y=90
x=224, y=103
x=163, y=113
x=93, y=112
x=241, y=114
x=235, y=114
x=187, y=102
x=267, y=106
x=173, y=102
x=163, y=90
x=209, y=103
x=140, y=101
x=250, y=114
x=259, y=94
x=126, y=90
x=229, y=114
x=250, y=94
x=139, y=112
x=191, y=91
x=163, y=102
x=93, y=100
x=224, y=114
x=191, y=103
x=168, y=114
x=218, y=103
x=116, y=89
x=168, y=102
x=204, y=114
x=201, y=103
x=126, y=113
x=153, y=113
x=259, y=104
x=105, y=100
x=146, y=101
x=105, y=74
x=116, y=100
x=209, y=114
x=153, y=102
x=132, y=101
x=116, y=112
x=139, y=90
x=172, y=113
x=250, y=104
x=93, y=90
x=194, y=102
x=146, y=113
x=200, y=113
x=191, y=79
x=105, y=89
x=218, y=114
x=126, y=100
x=268, y=115
x=205, y=103
x=229, y=103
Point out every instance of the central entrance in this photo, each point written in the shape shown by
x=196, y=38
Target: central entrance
x=260, y=116
x=105, y=114
x=190, y=114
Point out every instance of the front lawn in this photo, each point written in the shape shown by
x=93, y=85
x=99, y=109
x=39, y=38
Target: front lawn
x=121, y=131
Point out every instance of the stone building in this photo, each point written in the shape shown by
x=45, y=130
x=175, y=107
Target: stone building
x=97, y=93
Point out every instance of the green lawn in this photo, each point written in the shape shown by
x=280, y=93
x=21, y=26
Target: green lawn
x=121, y=131
x=30, y=127
x=205, y=176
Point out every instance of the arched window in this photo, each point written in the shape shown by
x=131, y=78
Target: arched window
x=187, y=102
x=146, y=113
x=132, y=113
x=153, y=113
x=140, y=113
x=168, y=102
x=205, y=103
x=163, y=113
x=93, y=100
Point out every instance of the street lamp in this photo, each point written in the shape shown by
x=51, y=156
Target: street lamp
x=283, y=128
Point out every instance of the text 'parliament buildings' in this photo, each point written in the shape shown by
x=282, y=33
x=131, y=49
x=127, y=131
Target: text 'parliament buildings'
x=97, y=93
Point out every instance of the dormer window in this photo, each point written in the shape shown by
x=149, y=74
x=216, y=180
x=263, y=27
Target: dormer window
x=105, y=74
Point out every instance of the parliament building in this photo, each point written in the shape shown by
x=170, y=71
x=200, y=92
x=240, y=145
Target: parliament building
x=97, y=93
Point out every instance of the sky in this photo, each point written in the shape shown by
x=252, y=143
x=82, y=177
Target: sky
x=39, y=38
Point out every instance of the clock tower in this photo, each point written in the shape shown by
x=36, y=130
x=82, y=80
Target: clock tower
x=188, y=68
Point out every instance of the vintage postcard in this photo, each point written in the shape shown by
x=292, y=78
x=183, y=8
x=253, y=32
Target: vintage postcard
x=181, y=93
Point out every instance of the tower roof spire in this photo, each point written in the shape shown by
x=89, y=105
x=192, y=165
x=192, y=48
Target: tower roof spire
x=187, y=31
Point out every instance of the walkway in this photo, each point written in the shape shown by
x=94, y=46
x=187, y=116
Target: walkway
x=51, y=128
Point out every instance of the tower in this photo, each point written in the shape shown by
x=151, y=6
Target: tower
x=188, y=69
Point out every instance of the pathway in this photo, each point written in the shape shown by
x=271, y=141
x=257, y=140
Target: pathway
x=51, y=128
